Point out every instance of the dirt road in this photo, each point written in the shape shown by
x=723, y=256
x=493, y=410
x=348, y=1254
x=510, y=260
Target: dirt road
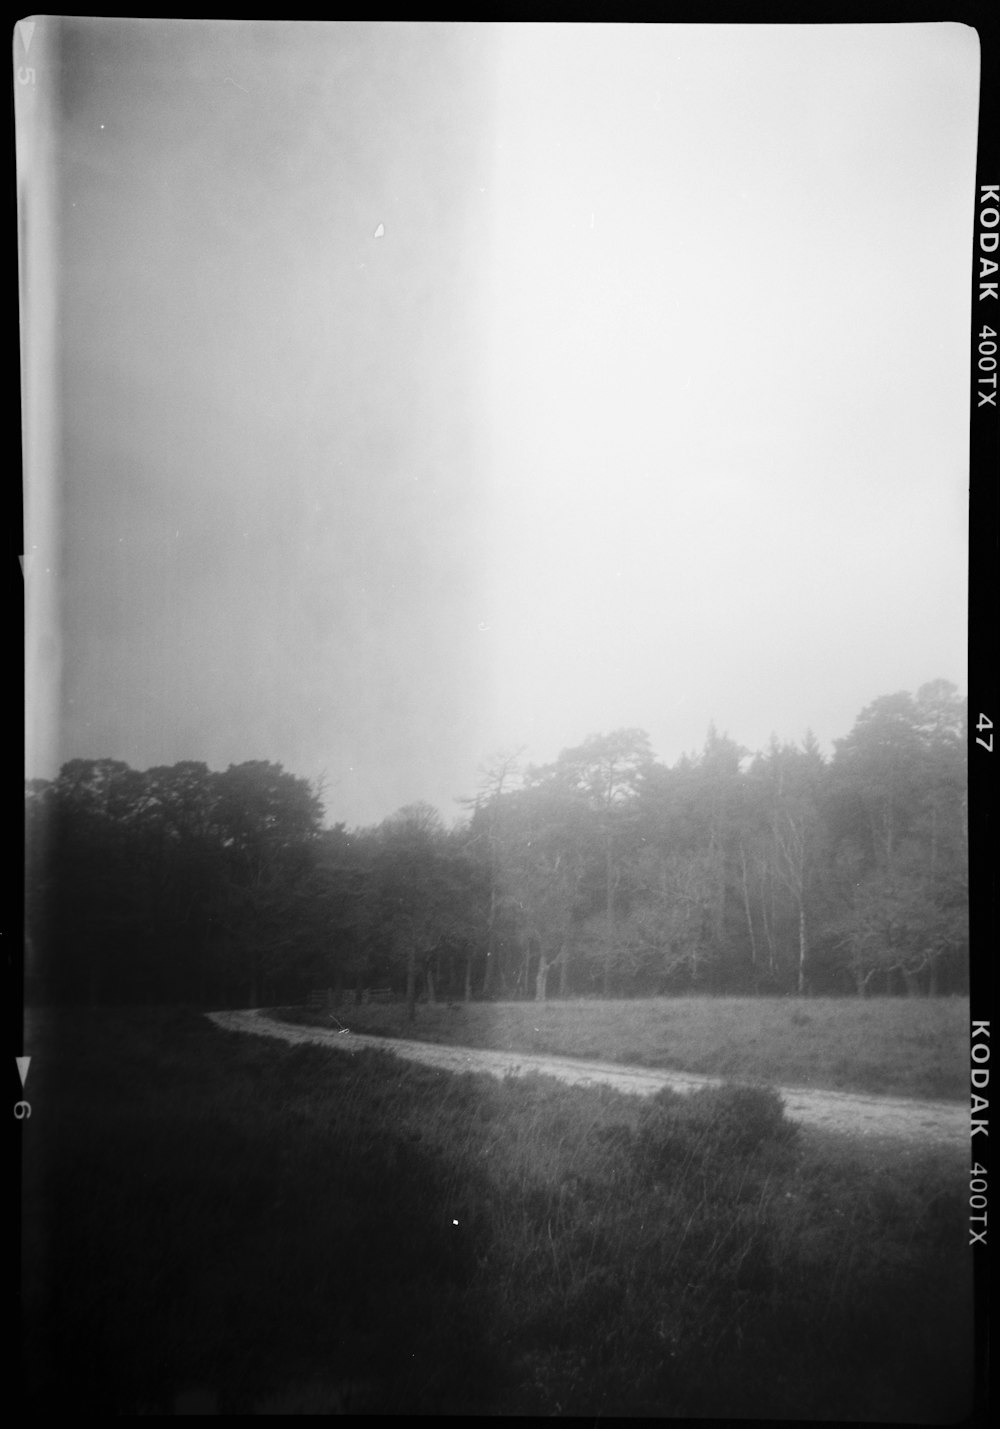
x=937, y=1123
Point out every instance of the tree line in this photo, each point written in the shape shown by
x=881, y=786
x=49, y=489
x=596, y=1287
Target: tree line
x=604, y=873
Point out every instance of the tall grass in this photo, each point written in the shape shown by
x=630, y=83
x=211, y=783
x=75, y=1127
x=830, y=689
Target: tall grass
x=225, y=1223
x=892, y=1046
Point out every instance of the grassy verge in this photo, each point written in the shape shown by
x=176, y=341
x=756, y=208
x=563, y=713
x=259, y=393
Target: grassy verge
x=221, y=1222
x=889, y=1046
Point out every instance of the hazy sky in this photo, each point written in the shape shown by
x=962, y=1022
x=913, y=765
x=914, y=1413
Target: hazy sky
x=395, y=394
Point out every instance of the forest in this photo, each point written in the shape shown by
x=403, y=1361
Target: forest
x=603, y=874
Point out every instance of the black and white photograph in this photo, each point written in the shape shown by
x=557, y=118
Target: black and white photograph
x=498, y=724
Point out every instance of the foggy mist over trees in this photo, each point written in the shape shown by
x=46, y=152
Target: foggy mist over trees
x=604, y=873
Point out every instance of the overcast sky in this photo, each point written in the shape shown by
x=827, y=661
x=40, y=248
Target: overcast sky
x=396, y=394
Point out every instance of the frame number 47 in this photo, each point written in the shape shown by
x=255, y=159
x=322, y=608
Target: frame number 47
x=985, y=723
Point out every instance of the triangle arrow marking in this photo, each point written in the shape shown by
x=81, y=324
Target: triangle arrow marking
x=23, y=1063
x=26, y=28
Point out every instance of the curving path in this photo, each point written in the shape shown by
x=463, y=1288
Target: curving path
x=927, y=1122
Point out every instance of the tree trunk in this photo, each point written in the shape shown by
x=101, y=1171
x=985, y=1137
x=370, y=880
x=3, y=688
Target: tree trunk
x=746, y=905
x=563, y=972
x=411, y=983
x=544, y=968
x=541, y=978
x=912, y=982
x=610, y=937
x=429, y=980
x=524, y=976
x=490, y=973
x=803, y=952
x=767, y=923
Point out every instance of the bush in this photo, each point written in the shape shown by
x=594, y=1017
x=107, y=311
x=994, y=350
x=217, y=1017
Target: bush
x=717, y=1122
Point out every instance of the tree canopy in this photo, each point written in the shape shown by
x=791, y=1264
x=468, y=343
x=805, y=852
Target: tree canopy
x=602, y=873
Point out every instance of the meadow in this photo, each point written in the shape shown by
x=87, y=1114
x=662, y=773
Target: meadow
x=888, y=1046
x=220, y=1223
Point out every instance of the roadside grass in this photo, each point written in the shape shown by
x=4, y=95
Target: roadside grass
x=221, y=1223
x=916, y=1047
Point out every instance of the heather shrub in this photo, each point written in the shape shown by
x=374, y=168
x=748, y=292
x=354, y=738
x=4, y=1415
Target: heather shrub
x=714, y=1124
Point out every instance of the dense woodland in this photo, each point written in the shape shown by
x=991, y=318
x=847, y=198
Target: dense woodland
x=605, y=873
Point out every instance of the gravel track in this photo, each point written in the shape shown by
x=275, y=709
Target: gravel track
x=906, y=1119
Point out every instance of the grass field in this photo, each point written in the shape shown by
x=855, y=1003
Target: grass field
x=893, y=1046
x=222, y=1223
